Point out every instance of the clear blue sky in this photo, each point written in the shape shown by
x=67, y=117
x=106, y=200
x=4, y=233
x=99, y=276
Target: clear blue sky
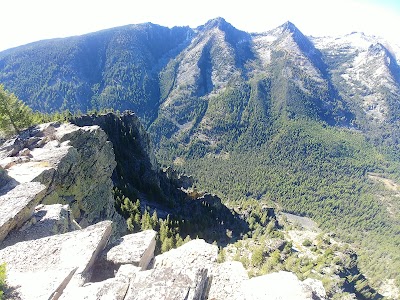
x=25, y=21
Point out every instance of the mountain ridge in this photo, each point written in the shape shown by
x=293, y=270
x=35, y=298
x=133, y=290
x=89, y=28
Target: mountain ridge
x=123, y=75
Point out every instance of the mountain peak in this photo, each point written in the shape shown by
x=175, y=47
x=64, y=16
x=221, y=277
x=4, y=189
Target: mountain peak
x=377, y=48
x=289, y=26
x=218, y=22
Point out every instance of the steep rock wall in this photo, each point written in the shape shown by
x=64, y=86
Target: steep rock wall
x=137, y=172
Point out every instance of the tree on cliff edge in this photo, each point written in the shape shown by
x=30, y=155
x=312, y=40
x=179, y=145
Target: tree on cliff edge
x=14, y=114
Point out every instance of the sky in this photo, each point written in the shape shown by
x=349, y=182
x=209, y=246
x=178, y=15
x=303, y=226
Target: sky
x=25, y=21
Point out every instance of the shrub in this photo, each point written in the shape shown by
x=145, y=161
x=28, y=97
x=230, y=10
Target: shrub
x=2, y=280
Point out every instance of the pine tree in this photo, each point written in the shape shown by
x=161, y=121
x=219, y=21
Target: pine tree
x=167, y=244
x=14, y=114
x=187, y=239
x=130, y=224
x=163, y=230
x=179, y=240
x=146, y=221
x=154, y=220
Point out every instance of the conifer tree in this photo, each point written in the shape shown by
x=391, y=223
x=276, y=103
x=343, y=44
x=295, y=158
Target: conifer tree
x=178, y=240
x=146, y=221
x=154, y=219
x=14, y=114
x=130, y=224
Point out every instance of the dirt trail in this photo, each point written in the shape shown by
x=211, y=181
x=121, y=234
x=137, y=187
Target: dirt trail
x=389, y=184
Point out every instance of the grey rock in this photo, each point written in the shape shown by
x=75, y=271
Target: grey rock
x=137, y=249
x=47, y=220
x=11, y=147
x=83, y=176
x=17, y=205
x=25, y=152
x=132, y=125
x=137, y=169
x=74, y=163
x=196, y=252
x=42, y=268
x=8, y=162
x=180, y=273
x=110, y=289
x=169, y=283
x=280, y=285
x=226, y=282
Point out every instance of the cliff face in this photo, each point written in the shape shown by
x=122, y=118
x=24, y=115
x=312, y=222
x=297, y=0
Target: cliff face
x=136, y=166
x=59, y=163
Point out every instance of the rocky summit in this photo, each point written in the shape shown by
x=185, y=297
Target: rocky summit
x=61, y=237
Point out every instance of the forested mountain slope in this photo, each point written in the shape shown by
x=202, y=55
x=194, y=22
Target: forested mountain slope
x=112, y=68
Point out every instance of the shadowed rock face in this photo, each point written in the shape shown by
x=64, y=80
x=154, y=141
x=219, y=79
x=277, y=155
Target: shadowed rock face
x=136, y=171
x=83, y=176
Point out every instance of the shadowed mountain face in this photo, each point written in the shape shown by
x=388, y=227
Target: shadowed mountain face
x=113, y=68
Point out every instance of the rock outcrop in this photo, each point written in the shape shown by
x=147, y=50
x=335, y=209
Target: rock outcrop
x=122, y=252
x=136, y=162
x=82, y=178
x=17, y=205
x=58, y=164
x=115, y=288
x=282, y=285
x=65, y=266
x=226, y=281
x=42, y=268
x=47, y=220
x=136, y=250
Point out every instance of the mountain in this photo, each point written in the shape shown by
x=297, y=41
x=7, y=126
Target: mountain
x=308, y=125
x=366, y=71
x=117, y=67
x=149, y=68
x=171, y=76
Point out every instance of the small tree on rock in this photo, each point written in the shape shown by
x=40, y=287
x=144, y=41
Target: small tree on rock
x=14, y=114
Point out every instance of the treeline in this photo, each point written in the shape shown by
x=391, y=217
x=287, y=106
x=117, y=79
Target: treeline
x=15, y=115
x=205, y=217
x=137, y=220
